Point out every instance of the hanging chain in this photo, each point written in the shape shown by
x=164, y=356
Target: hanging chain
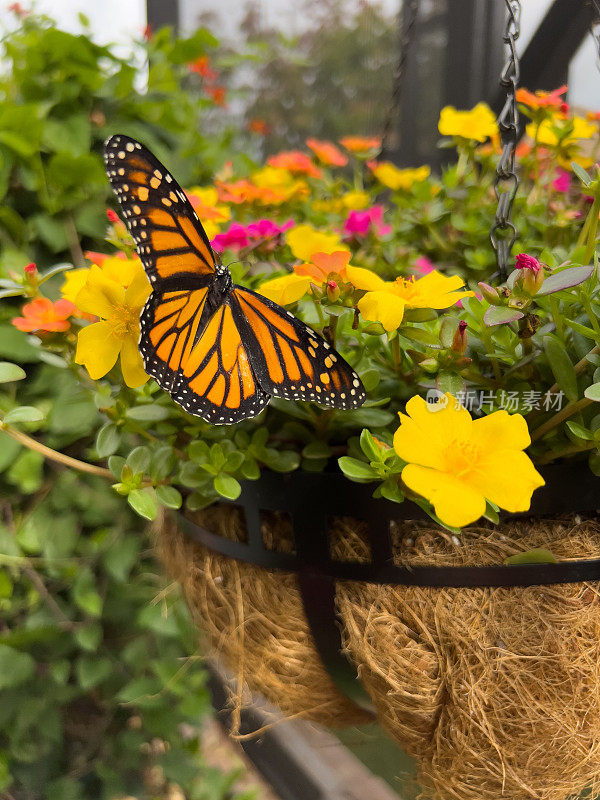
x=506, y=182
x=409, y=20
x=595, y=28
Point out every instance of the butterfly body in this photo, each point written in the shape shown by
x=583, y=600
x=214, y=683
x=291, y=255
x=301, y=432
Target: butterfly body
x=219, y=349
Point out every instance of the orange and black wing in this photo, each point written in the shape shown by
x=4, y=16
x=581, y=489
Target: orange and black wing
x=198, y=356
x=289, y=359
x=168, y=235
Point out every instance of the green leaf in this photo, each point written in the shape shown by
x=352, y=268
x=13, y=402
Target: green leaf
x=391, y=490
x=107, y=440
x=538, y=555
x=370, y=379
x=15, y=667
x=89, y=637
x=121, y=557
x=115, y=465
x=581, y=173
x=316, y=450
x=369, y=446
x=149, y=413
x=579, y=431
x=91, y=670
x=26, y=471
x=144, y=502
x=85, y=595
x=593, y=392
x=561, y=366
x=169, y=496
x=501, y=315
x=357, y=470
x=139, y=460
x=23, y=414
x=11, y=372
x=227, y=486
x=565, y=279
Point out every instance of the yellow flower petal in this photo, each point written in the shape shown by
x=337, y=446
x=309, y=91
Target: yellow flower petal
x=507, y=478
x=382, y=307
x=75, y=280
x=97, y=349
x=356, y=200
x=100, y=294
x=478, y=124
x=139, y=289
x=121, y=270
x=132, y=365
x=501, y=427
x=456, y=503
x=365, y=279
x=443, y=422
x=304, y=240
x=287, y=289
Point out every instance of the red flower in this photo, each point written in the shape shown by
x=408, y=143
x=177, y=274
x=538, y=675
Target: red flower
x=111, y=216
x=18, y=9
x=259, y=126
x=201, y=66
x=30, y=269
x=541, y=99
x=148, y=32
x=44, y=315
x=218, y=94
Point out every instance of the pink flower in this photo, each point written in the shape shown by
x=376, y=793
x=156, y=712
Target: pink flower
x=235, y=238
x=255, y=234
x=562, y=182
x=523, y=261
x=359, y=223
x=423, y=265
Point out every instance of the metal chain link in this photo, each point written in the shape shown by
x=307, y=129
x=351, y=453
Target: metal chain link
x=408, y=23
x=595, y=28
x=506, y=182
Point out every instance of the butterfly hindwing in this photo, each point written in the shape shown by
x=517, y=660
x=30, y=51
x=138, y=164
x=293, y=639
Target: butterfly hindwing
x=197, y=355
x=290, y=360
x=168, y=235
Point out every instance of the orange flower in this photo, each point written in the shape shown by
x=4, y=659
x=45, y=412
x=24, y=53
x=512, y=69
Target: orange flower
x=217, y=94
x=296, y=162
x=321, y=265
x=201, y=66
x=259, y=126
x=360, y=144
x=99, y=258
x=44, y=315
x=238, y=192
x=541, y=99
x=327, y=153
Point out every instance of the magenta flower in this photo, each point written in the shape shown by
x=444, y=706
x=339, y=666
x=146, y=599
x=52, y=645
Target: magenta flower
x=235, y=238
x=255, y=235
x=423, y=265
x=523, y=261
x=360, y=223
x=562, y=182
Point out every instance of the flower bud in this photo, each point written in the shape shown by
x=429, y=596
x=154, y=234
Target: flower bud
x=429, y=365
x=30, y=269
x=459, y=342
x=532, y=274
x=490, y=293
x=333, y=291
x=111, y=216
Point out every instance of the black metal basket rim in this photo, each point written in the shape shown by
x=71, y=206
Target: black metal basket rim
x=311, y=498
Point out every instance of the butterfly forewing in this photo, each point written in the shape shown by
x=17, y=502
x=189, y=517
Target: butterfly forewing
x=290, y=360
x=168, y=235
x=199, y=357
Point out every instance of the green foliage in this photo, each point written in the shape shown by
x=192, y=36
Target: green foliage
x=61, y=95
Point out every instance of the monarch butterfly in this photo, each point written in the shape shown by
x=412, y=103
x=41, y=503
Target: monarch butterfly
x=220, y=350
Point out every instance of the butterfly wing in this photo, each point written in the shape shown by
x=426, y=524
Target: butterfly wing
x=197, y=355
x=289, y=359
x=169, y=238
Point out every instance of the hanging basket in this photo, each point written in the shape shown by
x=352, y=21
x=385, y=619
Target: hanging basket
x=487, y=674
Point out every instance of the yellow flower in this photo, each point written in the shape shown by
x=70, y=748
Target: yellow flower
x=389, y=175
x=458, y=463
x=74, y=282
x=385, y=301
x=278, y=185
x=100, y=344
x=478, y=124
x=582, y=129
x=213, y=215
x=287, y=289
x=304, y=241
x=356, y=201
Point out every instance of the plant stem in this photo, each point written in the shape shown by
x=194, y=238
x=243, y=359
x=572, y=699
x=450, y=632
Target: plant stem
x=593, y=230
x=54, y=455
x=567, y=451
x=571, y=408
x=73, y=239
